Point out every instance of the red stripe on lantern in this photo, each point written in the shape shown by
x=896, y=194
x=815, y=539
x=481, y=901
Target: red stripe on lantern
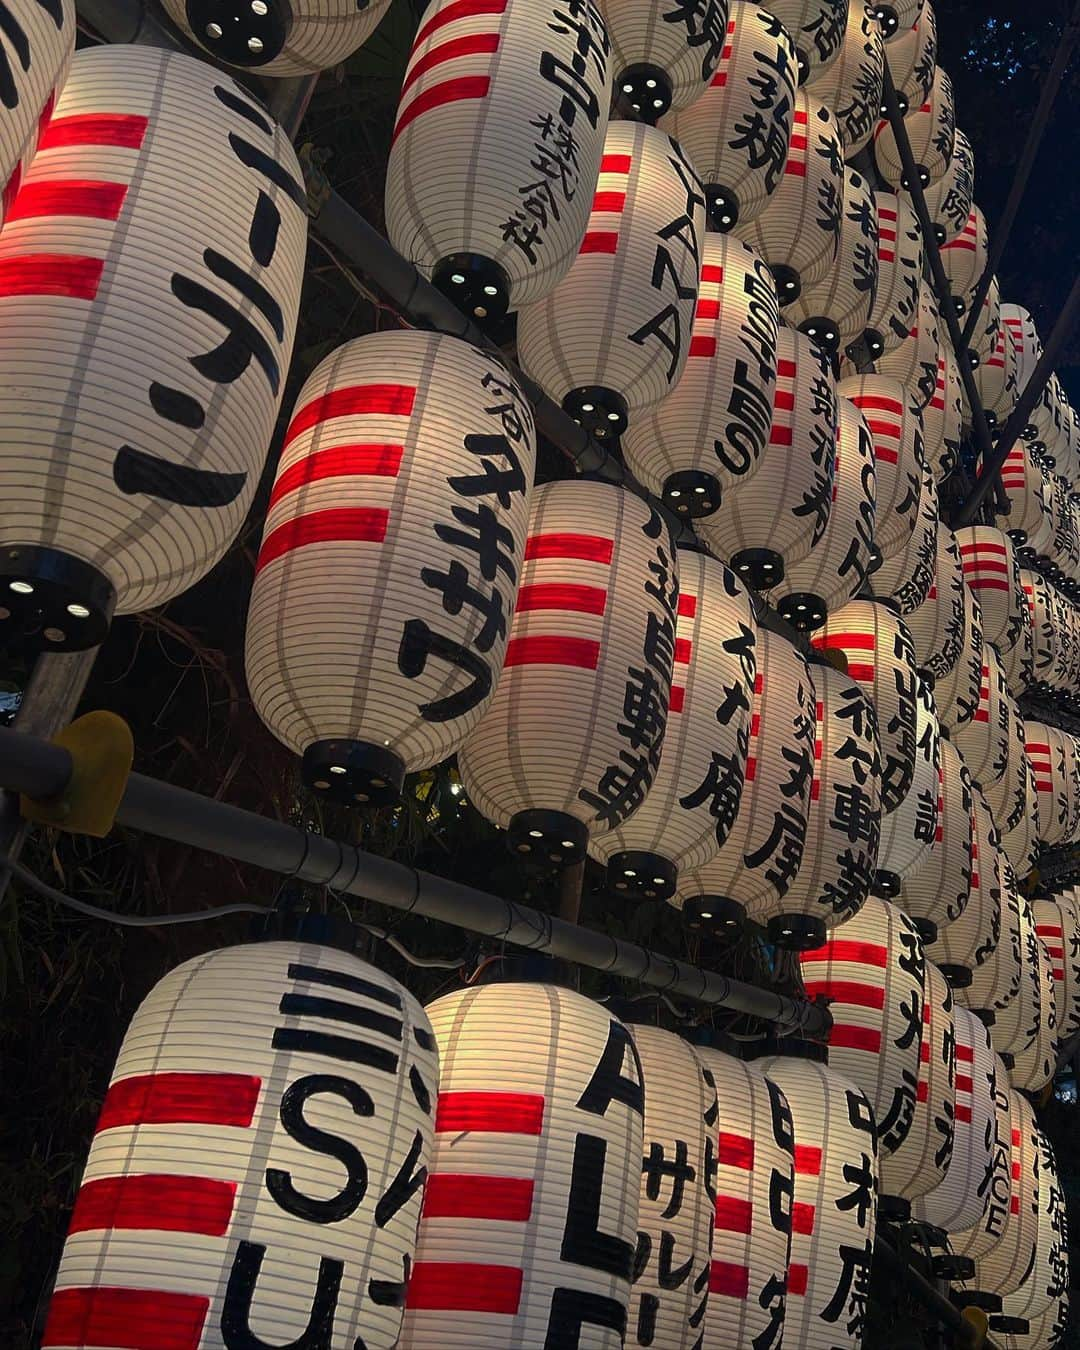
x=492, y=1112
x=180, y=1099
x=163, y=1203
x=797, y=1279
x=125, y=1319
x=848, y=949
x=352, y=524
x=74, y=275
x=552, y=651
x=846, y=1037
x=600, y=241
x=677, y=699
x=391, y=400
x=94, y=200
x=449, y=1195
x=579, y=547
x=461, y=1286
x=702, y=346
x=802, y=1218
x=807, y=1160
x=472, y=44
x=728, y=1279
x=562, y=596
x=859, y=994
x=450, y=91
x=463, y=9
x=609, y=201
x=733, y=1215
x=340, y=461
x=120, y=129
x=735, y=1150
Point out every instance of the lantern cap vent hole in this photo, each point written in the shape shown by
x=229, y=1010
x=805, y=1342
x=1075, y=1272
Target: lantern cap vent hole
x=713, y=916
x=602, y=412
x=548, y=837
x=647, y=89
x=721, y=208
x=759, y=568
x=52, y=601
x=355, y=773
x=692, y=493
x=478, y=286
x=797, y=932
x=886, y=885
x=640, y=875
x=788, y=283
x=803, y=610
x=241, y=32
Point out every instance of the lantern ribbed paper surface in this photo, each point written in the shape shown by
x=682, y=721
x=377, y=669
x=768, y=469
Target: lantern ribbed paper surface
x=895, y=305
x=711, y=430
x=896, y=425
x=964, y=259
x=960, y=1198
x=937, y=625
x=990, y=569
x=1048, y=1282
x=164, y=320
x=1006, y=1265
x=995, y=984
x=995, y=376
x=1046, y=1330
x=949, y=199
x=817, y=27
x=677, y=1193
x=836, y=568
x=834, y=1212
x=301, y=37
x=877, y=649
x=914, y=362
x=904, y=578
x=931, y=128
x=754, y=80
x=483, y=193
x=1025, y=339
x=1016, y=1026
x=922, y=1160
x=676, y=47
x=836, y=310
x=1035, y=1062
x=910, y=833
x=390, y=559
x=1046, y=749
x=850, y=87
x=988, y=325
x=984, y=740
x=781, y=512
x=211, y=1200
x=764, y=850
x=1044, y=638
x=41, y=35
x=971, y=940
x=694, y=799
x=755, y=1157
x=1058, y=928
x=1008, y=794
x=613, y=337
x=871, y=969
x=1020, y=843
x=943, y=416
x=797, y=231
x=958, y=692
x=986, y=1232
x=1027, y=491
x=571, y=741
x=936, y=893
x=913, y=54
x=530, y=1214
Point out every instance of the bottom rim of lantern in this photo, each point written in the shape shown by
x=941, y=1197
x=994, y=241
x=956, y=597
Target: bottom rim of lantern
x=714, y=915
x=721, y=207
x=803, y=610
x=894, y=1208
x=647, y=89
x=1010, y=1326
x=788, y=283
x=641, y=875
x=956, y=976
x=692, y=493
x=601, y=411
x=797, y=932
x=548, y=836
x=759, y=568
x=823, y=331
x=886, y=884
x=478, y=285
x=986, y=1016
x=55, y=601
x=356, y=773
x=949, y=1266
x=977, y=1298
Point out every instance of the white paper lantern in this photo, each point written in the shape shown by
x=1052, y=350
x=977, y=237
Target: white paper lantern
x=389, y=567
x=959, y=1200
x=936, y=893
x=1056, y=929
x=738, y=132
x=1021, y=329
x=1016, y=1025
x=797, y=231
x=987, y=326
x=834, y=1211
x=995, y=378
x=990, y=569
x=964, y=259
x=1046, y=1330
x=777, y=515
x=871, y=969
x=1007, y=794
x=896, y=17
x=949, y=199
x=836, y=310
x=837, y=567
x=1021, y=842
x=530, y=1217
x=755, y=1157
x=1034, y=1064
x=896, y=425
x=958, y=692
x=41, y=37
x=1044, y=637
x=895, y=307
x=612, y=339
x=694, y=800
x=662, y=56
x=571, y=741
x=850, y=87
x=914, y=362
x=904, y=578
x=260, y=1154
x=160, y=272
x=1048, y=1282
x=1047, y=751
x=911, y=833
x=496, y=148
x=984, y=740
x=943, y=416
x=1027, y=492
x=1020, y=660
x=711, y=430
x=937, y=625
x=817, y=27
x=301, y=37
x=922, y=1161
x=877, y=649
x=967, y=942
x=931, y=128
x=677, y=1193
x=764, y=850
x=986, y=1232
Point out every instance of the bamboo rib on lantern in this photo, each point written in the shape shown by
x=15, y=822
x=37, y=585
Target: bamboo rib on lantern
x=895, y=306
x=663, y=58
x=301, y=37
x=949, y=199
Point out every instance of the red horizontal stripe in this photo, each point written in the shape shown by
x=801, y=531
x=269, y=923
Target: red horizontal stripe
x=854, y=1038
x=848, y=991
x=125, y=1319
x=735, y=1150
x=879, y=402
x=615, y=164
x=786, y=370
x=166, y=1204
x=463, y=9
x=120, y=129
x=728, y=1279
x=784, y=399
x=354, y=400
x=449, y=1195
x=609, y=201
x=886, y=255
x=883, y=455
x=712, y=272
x=798, y=141
x=562, y=596
x=849, y=949
x=459, y=1286
x=600, y=241
x=962, y=1114
x=861, y=672
x=450, y=91
x=683, y=648
x=543, y=650
x=1014, y=1205
x=349, y=524
x=886, y=213
x=707, y=309
x=794, y=168
x=340, y=461
x=702, y=346
x=964, y=1082
x=780, y=435
x=733, y=1215
x=878, y=428
x=580, y=547
x=677, y=699
x=884, y=233
x=472, y=44
x=493, y=1112
x=922, y=1091
x=180, y=1098
x=863, y=642
x=961, y=243
x=95, y=200
x=797, y=1279
x=71, y=274
x=965, y=1053
x=687, y=605
x=988, y=584
x=807, y=1160
x=802, y=1218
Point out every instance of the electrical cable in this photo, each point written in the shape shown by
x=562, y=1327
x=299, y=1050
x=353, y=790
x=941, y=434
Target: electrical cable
x=424, y=962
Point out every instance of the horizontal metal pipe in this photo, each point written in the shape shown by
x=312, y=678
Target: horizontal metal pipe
x=200, y=822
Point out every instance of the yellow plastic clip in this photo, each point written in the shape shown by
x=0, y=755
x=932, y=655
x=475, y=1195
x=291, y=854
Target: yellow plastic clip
x=102, y=749
x=977, y=1319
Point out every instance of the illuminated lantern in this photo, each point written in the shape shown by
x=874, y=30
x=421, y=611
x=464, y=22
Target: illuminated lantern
x=755, y=1156
x=943, y=416
x=540, y=1114
x=1046, y=1330
x=1035, y=1062
x=914, y=362
x=995, y=377
x=931, y=129
x=958, y=692
x=1016, y=1024
x=912, y=53
x=464, y=200
x=911, y=833
x=937, y=625
x=797, y=231
x=834, y=1208
x=764, y=850
x=960, y=1198
x=871, y=969
x=211, y=1203
x=843, y=823
x=984, y=740
x=1025, y=339
x=1007, y=794
x=774, y=517
x=755, y=78
x=922, y=1161
x=836, y=310
x=1027, y=492
x=1048, y=1282
x=988, y=325
x=675, y=1214
x=817, y=27
x=359, y=658
x=710, y=432
x=964, y=259
x=850, y=87
x=949, y=199
x=986, y=1232
x=1021, y=842
x=1056, y=929
x=1044, y=638
x=557, y=756
x=612, y=339
x=280, y=40
x=694, y=799
x=904, y=578
x=141, y=440
x=991, y=571
x=971, y=940
x=895, y=423
x=877, y=649
x=41, y=36
x=662, y=57
x=935, y=893
x=1047, y=751
x=896, y=17
x=837, y=567
x=894, y=308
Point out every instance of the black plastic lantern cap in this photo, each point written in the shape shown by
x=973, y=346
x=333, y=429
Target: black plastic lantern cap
x=53, y=601
x=797, y=932
x=803, y=610
x=986, y=1016
x=714, y=916
x=959, y=303
x=548, y=837
x=692, y=494
x=240, y=32
x=888, y=18
x=894, y=1208
x=874, y=342
x=1009, y=1326
x=637, y=874
x=788, y=283
x=825, y=333
x=946, y=1266
x=477, y=285
x=355, y=773
x=721, y=208
x=977, y=1298
x=886, y=885
x=601, y=411
x=956, y=977
x=802, y=62
x=647, y=88
x=923, y=176
x=759, y=568
x=939, y=235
